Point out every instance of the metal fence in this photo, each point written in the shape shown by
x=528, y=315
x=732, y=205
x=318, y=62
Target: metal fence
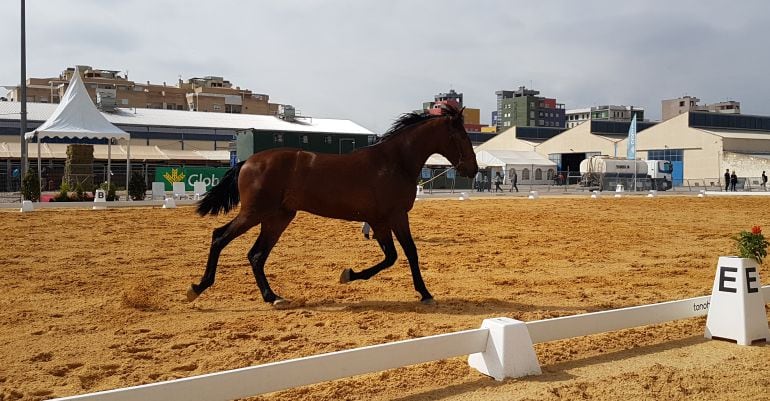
x=89, y=177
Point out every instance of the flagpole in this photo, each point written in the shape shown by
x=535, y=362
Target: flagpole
x=23, y=94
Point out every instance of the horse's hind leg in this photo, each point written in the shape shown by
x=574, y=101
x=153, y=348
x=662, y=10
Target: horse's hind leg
x=271, y=231
x=385, y=239
x=219, y=240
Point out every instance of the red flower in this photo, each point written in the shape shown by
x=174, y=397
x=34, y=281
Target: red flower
x=756, y=230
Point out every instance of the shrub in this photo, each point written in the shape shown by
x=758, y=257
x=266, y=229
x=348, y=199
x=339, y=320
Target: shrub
x=63, y=195
x=30, y=186
x=137, y=187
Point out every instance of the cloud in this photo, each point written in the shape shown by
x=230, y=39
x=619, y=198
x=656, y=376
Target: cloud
x=370, y=61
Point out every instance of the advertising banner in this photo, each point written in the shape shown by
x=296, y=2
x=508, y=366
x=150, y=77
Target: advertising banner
x=189, y=175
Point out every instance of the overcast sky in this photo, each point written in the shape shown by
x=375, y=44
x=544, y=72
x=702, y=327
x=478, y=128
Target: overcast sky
x=370, y=61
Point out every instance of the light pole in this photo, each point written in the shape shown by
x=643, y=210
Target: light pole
x=23, y=94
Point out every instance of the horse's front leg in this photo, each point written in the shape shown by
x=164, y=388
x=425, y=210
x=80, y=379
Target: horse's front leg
x=404, y=236
x=385, y=239
x=268, y=237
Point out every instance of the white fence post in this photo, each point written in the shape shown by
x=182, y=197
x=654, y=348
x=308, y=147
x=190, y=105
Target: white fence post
x=509, y=351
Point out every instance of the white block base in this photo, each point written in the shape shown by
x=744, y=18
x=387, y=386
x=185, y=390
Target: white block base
x=533, y=195
x=596, y=195
x=169, y=203
x=737, y=307
x=509, y=351
x=463, y=196
x=26, y=206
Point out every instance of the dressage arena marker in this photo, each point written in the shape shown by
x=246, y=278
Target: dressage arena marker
x=653, y=193
x=533, y=195
x=596, y=195
x=501, y=348
x=463, y=196
x=618, y=191
x=737, y=310
x=100, y=200
x=702, y=193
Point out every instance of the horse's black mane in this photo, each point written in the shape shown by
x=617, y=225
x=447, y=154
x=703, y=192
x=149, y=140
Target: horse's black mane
x=409, y=119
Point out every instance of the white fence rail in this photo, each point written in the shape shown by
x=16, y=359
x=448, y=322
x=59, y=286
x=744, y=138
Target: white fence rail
x=255, y=380
x=89, y=205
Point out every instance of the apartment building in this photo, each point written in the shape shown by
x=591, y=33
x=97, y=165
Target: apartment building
x=576, y=117
x=673, y=107
x=524, y=108
x=109, y=89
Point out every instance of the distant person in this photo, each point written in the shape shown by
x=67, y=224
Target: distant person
x=366, y=229
x=498, y=181
x=764, y=181
x=727, y=179
x=733, y=181
x=514, y=180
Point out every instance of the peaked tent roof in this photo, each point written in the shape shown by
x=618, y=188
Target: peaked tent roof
x=77, y=117
x=501, y=158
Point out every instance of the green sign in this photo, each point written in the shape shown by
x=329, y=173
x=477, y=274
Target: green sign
x=189, y=175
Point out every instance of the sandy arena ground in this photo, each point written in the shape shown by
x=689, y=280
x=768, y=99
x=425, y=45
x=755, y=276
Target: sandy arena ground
x=93, y=300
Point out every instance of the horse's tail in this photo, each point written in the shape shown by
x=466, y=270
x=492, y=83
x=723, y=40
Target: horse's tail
x=224, y=196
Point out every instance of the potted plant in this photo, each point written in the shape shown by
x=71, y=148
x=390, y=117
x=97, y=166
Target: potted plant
x=752, y=245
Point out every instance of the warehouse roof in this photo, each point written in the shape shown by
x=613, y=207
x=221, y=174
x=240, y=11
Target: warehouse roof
x=733, y=134
x=195, y=119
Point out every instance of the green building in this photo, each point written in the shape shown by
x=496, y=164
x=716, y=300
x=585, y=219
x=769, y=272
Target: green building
x=252, y=141
x=524, y=108
x=316, y=135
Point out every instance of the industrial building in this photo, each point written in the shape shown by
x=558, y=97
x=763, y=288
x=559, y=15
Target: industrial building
x=176, y=138
x=700, y=145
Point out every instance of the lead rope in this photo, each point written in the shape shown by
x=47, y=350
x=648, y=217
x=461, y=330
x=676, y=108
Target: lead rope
x=436, y=176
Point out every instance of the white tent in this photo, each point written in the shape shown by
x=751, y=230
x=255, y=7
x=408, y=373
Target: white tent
x=77, y=117
x=529, y=166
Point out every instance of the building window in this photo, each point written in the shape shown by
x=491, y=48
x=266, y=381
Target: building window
x=328, y=139
x=277, y=138
x=538, y=174
x=305, y=139
x=525, y=174
x=216, y=107
x=371, y=139
x=672, y=155
x=550, y=174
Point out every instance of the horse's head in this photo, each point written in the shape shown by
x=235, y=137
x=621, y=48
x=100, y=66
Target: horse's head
x=458, y=149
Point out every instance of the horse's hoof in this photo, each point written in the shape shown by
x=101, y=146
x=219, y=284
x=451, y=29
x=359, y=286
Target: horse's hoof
x=428, y=301
x=345, y=276
x=281, y=303
x=191, y=294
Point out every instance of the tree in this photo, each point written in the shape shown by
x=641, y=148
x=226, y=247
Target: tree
x=137, y=187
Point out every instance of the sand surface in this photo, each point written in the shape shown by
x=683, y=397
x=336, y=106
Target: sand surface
x=94, y=300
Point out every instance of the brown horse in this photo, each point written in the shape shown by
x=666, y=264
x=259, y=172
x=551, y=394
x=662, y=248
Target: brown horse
x=375, y=184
